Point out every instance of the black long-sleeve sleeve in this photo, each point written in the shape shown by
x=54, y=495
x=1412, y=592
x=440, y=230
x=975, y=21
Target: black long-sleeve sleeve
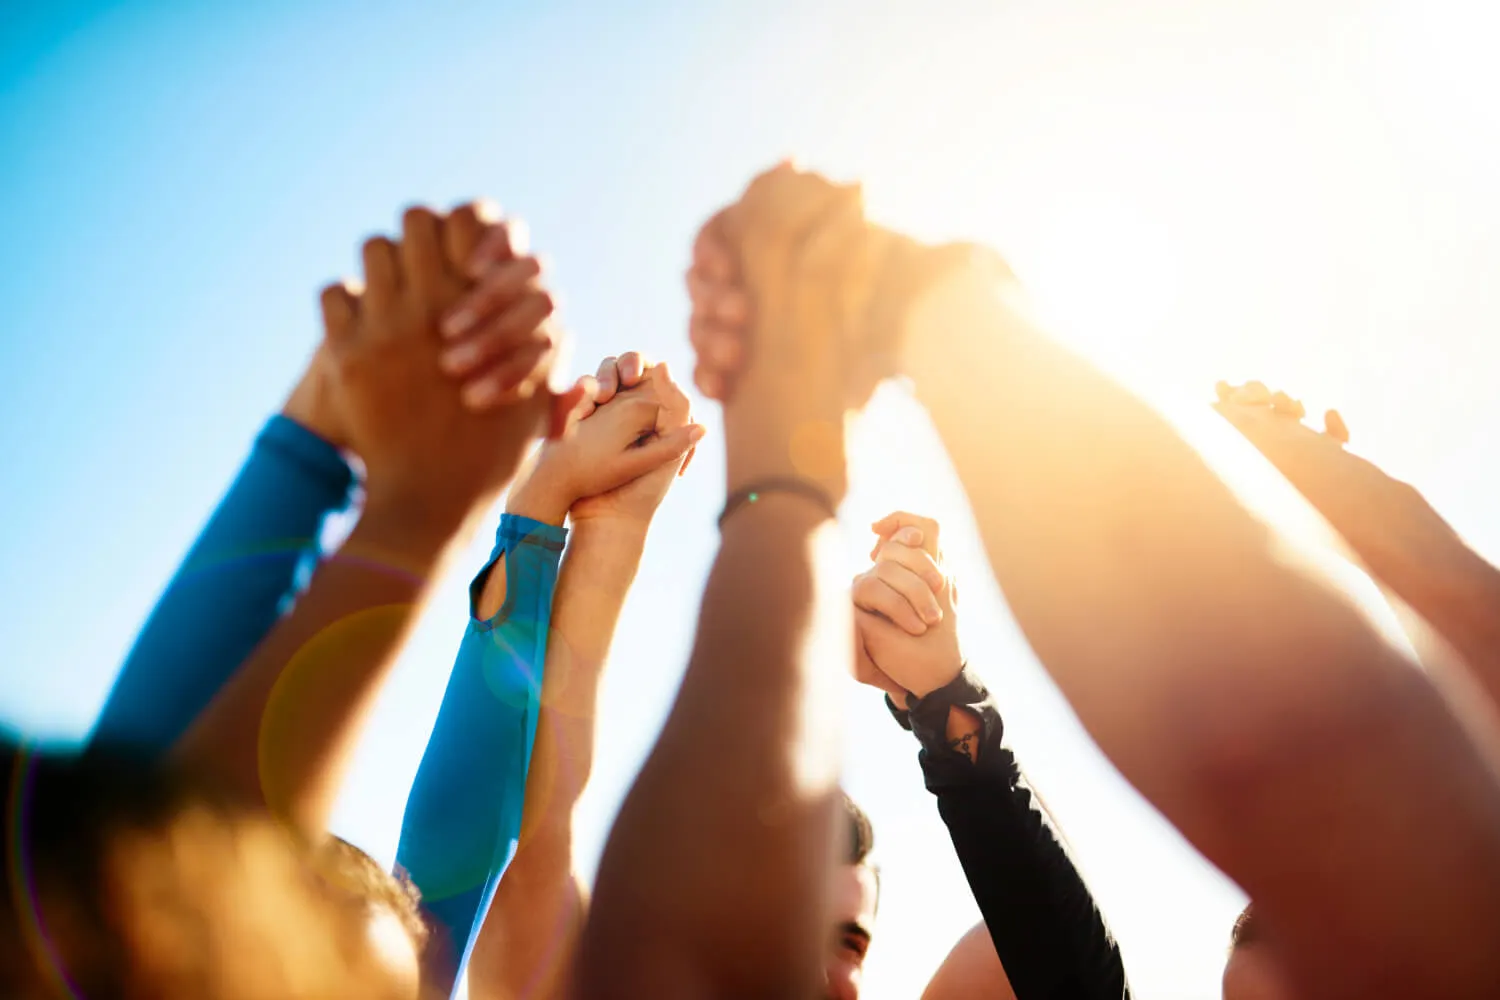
x=1048, y=932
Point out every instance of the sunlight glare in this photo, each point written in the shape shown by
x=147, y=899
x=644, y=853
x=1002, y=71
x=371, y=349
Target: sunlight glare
x=1103, y=275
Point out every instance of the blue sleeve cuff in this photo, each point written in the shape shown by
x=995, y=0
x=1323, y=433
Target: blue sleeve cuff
x=316, y=457
x=517, y=530
x=532, y=550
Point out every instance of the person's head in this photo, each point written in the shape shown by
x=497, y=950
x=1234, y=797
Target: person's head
x=387, y=907
x=127, y=879
x=1251, y=972
x=856, y=893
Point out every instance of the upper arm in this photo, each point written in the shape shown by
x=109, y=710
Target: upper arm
x=972, y=969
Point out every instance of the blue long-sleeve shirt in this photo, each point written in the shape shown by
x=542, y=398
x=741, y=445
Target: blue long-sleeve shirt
x=246, y=567
x=463, y=816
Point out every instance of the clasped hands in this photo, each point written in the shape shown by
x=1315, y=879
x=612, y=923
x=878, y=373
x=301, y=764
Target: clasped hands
x=437, y=372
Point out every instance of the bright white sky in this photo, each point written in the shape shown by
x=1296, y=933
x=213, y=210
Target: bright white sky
x=1298, y=192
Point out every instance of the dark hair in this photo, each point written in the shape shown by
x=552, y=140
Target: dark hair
x=62, y=812
x=355, y=871
x=115, y=860
x=860, y=833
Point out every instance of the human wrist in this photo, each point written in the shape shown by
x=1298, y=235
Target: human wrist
x=310, y=408
x=541, y=498
x=764, y=442
x=935, y=327
x=313, y=419
x=926, y=685
x=403, y=534
x=624, y=533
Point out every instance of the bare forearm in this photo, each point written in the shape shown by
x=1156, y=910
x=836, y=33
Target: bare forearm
x=1232, y=684
x=282, y=729
x=733, y=810
x=1400, y=538
x=1456, y=591
x=1093, y=509
x=526, y=945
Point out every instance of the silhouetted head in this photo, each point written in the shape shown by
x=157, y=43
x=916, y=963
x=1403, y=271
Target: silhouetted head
x=129, y=879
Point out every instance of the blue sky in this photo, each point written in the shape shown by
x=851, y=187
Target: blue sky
x=1301, y=192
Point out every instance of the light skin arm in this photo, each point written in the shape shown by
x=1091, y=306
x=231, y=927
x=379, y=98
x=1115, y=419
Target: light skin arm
x=715, y=881
x=530, y=935
x=531, y=932
x=1390, y=526
x=1234, y=685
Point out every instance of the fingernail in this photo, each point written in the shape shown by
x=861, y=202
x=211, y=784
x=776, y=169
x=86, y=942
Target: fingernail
x=911, y=536
x=478, y=395
x=460, y=358
x=696, y=432
x=932, y=616
x=458, y=322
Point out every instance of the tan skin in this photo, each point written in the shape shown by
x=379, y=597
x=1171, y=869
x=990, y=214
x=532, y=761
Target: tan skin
x=283, y=728
x=1393, y=530
x=1266, y=767
x=716, y=878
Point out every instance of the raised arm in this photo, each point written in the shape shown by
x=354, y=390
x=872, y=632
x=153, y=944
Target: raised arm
x=530, y=935
x=1395, y=532
x=1227, y=677
x=715, y=880
x=283, y=727
x=463, y=816
x=1232, y=683
x=257, y=551
x=240, y=575
x=1044, y=924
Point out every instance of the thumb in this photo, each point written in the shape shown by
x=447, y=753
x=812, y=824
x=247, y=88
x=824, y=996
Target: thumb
x=660, y=450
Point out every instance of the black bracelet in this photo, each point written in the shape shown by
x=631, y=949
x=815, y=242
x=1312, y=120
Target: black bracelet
x=746, y=495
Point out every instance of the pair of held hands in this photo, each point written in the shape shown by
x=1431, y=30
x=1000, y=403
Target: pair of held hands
x=784, y=287
x=906, y=634
x=439, y=371
x=438, y=374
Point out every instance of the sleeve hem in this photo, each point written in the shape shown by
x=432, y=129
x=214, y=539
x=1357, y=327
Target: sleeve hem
x=315, y=456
